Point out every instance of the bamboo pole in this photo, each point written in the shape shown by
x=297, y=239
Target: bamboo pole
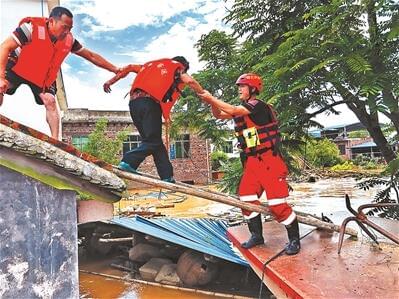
x=225, y=199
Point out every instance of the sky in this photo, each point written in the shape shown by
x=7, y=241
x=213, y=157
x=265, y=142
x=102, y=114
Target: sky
x=123, y=32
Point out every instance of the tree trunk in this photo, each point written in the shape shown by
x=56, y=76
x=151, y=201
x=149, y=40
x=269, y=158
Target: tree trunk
x=379, y=67
x=373, y=127
x=370, y=121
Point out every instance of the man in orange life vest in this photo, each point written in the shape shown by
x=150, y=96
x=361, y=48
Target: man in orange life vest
x=264, y=170
x=33, y=55
x=154, y=91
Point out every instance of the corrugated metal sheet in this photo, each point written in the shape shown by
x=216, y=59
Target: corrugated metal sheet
x=366, y=144
x=204, y=235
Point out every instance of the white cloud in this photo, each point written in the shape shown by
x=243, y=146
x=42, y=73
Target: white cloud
x=182, y=37
x=125, y=13
x=89, y=94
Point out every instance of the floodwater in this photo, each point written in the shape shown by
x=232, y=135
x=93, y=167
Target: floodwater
x=325, y=196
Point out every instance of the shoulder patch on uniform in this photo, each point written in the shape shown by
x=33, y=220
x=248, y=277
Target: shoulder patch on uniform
x=41, y=32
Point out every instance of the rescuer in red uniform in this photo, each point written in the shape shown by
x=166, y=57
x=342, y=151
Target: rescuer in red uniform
x=33, y=55
x=155, y=89
x=264, y=169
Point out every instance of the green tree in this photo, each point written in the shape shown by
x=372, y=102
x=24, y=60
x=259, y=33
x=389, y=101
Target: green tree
x=315, y=56
x=322, y=153
x=103, y=147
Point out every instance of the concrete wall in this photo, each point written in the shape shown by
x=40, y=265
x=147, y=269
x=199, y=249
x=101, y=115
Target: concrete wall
x=38, y=252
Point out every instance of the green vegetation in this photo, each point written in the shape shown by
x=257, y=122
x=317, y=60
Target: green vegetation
x=313, y=55
x=103, y=147
x=365, y=162
x=358, y=134
x=322, y=153
x=347, y=165
x=388, y=192
x=218, y=159
x=232, y=175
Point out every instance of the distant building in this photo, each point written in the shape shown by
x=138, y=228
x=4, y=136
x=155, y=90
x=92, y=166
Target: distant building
x=349, y=147
x=189, y=154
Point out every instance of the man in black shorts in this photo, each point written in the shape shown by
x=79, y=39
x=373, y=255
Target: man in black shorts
x=33, y=55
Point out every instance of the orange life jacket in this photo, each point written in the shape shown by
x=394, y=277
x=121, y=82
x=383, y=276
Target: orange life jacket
x=41, y=59
x=161, y=80
x=256, y=139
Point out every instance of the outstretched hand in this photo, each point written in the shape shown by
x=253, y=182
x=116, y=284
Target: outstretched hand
x=107, y=86
x=205, y=96
x=4, y=85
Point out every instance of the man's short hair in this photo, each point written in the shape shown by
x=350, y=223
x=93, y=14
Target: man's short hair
x=183, y=61
x=58, y=11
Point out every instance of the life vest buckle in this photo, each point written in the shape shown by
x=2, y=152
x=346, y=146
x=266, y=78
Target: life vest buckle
x=251, y=137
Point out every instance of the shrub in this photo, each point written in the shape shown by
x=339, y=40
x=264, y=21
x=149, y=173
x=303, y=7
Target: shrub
x=322, y=153
x=218, y=158
x=347, y=165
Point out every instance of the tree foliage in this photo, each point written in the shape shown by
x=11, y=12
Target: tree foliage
x=313, y=57
x=103, y=147
x=322, y=153
x=388, y=193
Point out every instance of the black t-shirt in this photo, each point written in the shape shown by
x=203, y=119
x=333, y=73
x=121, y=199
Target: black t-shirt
x=261, y=113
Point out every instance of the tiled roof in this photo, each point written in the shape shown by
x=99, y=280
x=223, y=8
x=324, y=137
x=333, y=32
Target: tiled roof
x=32, y=143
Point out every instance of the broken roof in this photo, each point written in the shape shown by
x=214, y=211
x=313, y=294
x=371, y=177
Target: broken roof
x=56, y=163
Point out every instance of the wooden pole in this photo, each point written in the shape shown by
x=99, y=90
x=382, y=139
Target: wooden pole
x=225, y=199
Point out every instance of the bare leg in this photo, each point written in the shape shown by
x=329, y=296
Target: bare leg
x=52, y=114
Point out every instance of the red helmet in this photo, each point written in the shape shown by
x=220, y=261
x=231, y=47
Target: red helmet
x=252, y=80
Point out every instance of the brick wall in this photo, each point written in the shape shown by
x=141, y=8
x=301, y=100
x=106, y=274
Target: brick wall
x=196, y=168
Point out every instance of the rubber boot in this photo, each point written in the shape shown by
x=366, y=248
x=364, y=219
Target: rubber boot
x=294, y=244
x=256, y=229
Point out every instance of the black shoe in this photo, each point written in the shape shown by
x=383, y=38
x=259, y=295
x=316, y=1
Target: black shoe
x=253, y=241
x=256, y=229
x=294, y=244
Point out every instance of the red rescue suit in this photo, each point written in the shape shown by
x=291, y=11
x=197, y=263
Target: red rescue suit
x=264, y=169
x=161, y=80
x=41, y=59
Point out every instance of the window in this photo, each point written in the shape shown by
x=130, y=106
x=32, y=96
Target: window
x=342, y=149
x=181, y=147
x=227, y=147
x=80, y=142
x=131, y=142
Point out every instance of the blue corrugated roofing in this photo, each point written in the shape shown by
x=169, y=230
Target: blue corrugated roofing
x=204, y=235
x=366, y=144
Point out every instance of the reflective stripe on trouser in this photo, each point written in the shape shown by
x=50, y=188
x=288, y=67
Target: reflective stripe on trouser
x=266, y=174
x=253, y=199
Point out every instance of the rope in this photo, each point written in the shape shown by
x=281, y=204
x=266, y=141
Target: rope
x=275, y=257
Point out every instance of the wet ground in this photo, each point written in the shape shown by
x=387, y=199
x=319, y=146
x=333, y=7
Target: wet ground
x=324, y=196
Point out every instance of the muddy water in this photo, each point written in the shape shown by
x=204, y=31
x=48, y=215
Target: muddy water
x=324, y=196
x=95, y=286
